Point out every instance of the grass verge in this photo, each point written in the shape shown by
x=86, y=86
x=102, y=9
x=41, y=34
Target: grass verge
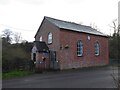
x=15, y=74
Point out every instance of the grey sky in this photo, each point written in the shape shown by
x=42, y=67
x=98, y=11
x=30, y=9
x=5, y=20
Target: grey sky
x=119, y=13
x=25, y=16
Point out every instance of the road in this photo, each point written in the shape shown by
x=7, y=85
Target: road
x=87, y=78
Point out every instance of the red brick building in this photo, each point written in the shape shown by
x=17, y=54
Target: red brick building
x=73, y=45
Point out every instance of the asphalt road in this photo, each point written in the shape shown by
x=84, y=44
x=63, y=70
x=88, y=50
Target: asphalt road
x=87, y=78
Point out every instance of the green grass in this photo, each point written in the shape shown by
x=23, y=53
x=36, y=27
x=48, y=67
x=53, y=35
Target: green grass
x=15, y=74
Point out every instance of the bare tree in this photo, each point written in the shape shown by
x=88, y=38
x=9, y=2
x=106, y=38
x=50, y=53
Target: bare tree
x=17, y=37
x=93, y=25
x=114, y=26
x=7, y=34
x=116, y=46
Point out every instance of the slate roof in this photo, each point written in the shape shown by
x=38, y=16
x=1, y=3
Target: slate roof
x=41, y=46
x=73, y=26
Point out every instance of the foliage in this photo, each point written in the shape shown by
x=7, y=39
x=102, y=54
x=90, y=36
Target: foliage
x=114, y=45
x=15, y=56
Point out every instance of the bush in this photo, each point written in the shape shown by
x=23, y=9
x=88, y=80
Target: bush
x=14, y=59
x=16, y=56
x=15, y=64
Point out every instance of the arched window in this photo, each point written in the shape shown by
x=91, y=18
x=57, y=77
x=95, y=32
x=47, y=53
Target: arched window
x=97, y=49
x=50, y=38
x=79, y=48
x=41, y=38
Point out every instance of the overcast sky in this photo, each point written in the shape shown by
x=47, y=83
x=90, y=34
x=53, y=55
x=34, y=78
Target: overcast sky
x=25, y=16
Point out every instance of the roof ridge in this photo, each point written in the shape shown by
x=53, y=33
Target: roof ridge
x=68, y=22
x=57, y=19
x=62, y=20
x=74, y=26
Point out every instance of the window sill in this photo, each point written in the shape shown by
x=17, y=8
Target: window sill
x=97, y=54
x=80, y=55
x=49, y=43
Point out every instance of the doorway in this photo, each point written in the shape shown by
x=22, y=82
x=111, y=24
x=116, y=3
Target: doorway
x=54, y=64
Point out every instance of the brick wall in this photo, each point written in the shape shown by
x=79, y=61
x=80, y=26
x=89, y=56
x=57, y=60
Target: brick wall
x=69, y=58
x=44, y=30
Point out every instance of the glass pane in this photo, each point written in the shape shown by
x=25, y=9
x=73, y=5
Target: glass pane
x=50, y=38
x=79, y=48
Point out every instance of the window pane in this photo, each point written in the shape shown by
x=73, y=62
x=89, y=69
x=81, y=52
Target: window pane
x=97, y=48
x=41, y=38
x=50, y=38
x=79, y=48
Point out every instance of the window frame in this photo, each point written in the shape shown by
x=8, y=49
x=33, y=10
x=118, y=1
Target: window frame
x=79, y=48
x=97, y=49
x=50, y=38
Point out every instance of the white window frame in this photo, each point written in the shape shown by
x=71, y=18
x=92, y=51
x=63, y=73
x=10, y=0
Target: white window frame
x=50, y=38
x=97, y=49
x=79, y=48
